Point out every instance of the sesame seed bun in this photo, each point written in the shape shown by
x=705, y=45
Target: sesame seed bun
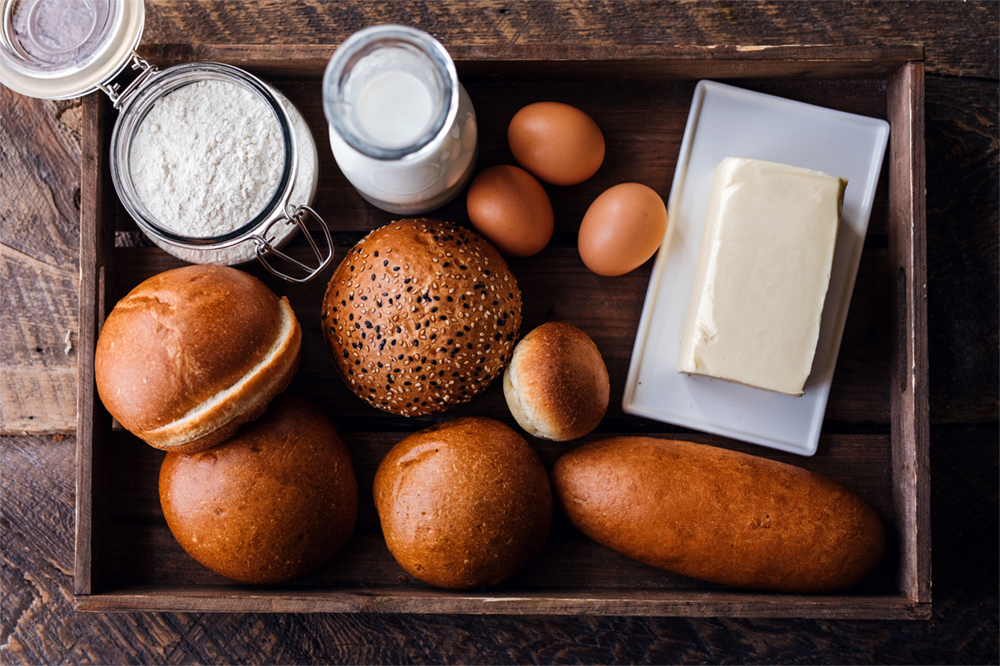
x=421, y=315
x=557, y=384
x=191, y=354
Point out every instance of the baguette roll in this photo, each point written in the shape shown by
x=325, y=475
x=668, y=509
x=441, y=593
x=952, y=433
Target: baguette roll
x=719, y=515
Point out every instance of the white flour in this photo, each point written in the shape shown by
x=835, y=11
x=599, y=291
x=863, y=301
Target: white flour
x=208, y=157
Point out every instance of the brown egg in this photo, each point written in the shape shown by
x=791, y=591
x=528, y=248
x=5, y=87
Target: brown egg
x=622, y=229
x=511, y=210
x=558, y=143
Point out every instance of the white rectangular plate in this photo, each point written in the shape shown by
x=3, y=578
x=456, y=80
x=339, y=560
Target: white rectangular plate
x=731, y=122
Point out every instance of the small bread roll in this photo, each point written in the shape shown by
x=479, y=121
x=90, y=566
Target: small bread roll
x=463, y=504
x=557, y=384
x=274, y=502
x=193, y=353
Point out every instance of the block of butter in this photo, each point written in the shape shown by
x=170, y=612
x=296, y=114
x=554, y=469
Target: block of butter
x=762, y=276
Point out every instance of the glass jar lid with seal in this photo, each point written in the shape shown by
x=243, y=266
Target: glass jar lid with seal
x=58, y=49
x=255, y=200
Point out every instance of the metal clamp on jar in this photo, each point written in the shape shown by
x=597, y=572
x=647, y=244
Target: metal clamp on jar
x=59, y=49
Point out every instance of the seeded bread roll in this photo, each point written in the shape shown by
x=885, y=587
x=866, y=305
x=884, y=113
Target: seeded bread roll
x=557, y=384
x=271, y=504
x=191, y=354
x=463, y=504
x=719, y=515
x=421, y=315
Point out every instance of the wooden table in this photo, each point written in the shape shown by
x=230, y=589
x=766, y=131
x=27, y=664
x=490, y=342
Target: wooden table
x=39, y=209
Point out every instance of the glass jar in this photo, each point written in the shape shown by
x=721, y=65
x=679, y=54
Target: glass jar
x=303, y=192
x=58, y=49
x=402, y=128
x=269, y=228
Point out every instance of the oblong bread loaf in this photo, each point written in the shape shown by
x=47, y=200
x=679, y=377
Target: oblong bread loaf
x=719, y=515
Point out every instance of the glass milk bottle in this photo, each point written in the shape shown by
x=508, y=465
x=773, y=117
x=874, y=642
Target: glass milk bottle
x=402, y=128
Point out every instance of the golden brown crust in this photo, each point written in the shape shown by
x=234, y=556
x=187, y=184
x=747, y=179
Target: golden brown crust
x=220, y=418
x=463, y=504
x=421, y=315
x=174, y=359
x=177, y=338
x=719, y=515
x=557, y=384
x=273, y=503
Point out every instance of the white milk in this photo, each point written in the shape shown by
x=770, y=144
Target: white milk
x=419, y=183
x=402, y=128
x=395, y=109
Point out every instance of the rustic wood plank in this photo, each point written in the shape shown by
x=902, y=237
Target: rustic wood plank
x=960, y=38
x=39, y=625
x=40, y=163
x=909, y=390
x=963, y=248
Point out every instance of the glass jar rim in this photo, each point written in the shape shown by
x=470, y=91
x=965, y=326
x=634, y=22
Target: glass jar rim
x=133, y=113
x=400, y=34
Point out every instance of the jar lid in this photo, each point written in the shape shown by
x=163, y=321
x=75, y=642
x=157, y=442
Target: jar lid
x=58, y=49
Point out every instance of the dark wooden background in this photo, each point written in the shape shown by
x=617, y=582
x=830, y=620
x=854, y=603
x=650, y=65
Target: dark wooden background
x=39, y=212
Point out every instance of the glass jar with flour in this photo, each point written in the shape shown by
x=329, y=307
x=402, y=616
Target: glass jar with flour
x=214, y=165
x=402, y=127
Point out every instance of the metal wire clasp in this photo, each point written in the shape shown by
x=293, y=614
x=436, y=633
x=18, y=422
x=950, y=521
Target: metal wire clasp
x=119, y=98
x=296, y=216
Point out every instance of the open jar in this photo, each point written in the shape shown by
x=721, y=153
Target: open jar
x=57, y=49
x=402, y=128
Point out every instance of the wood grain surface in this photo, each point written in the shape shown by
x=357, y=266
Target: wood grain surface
x=40, y=208
x=40, y=627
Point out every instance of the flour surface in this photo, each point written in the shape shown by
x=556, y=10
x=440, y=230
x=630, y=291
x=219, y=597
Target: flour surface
x=207, y=158
x=303, y=193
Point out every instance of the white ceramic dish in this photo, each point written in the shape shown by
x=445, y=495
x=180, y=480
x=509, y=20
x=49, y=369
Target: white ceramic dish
x=731, y=122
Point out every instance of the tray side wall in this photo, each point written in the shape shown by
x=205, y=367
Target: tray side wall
x=589, y=602
x=96, y=270
x=909, y=390
x=576, y=62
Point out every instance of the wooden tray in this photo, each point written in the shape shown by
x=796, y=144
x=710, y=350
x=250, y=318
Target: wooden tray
x=875, y=437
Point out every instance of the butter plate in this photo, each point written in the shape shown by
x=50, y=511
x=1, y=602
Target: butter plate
x=726, y=121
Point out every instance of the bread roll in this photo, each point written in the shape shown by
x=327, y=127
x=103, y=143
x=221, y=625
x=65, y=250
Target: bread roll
x=463, y=504
x=719, y=515
x=557, y=384
x=274, y=502
x=420, y=316
x=191, y=354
